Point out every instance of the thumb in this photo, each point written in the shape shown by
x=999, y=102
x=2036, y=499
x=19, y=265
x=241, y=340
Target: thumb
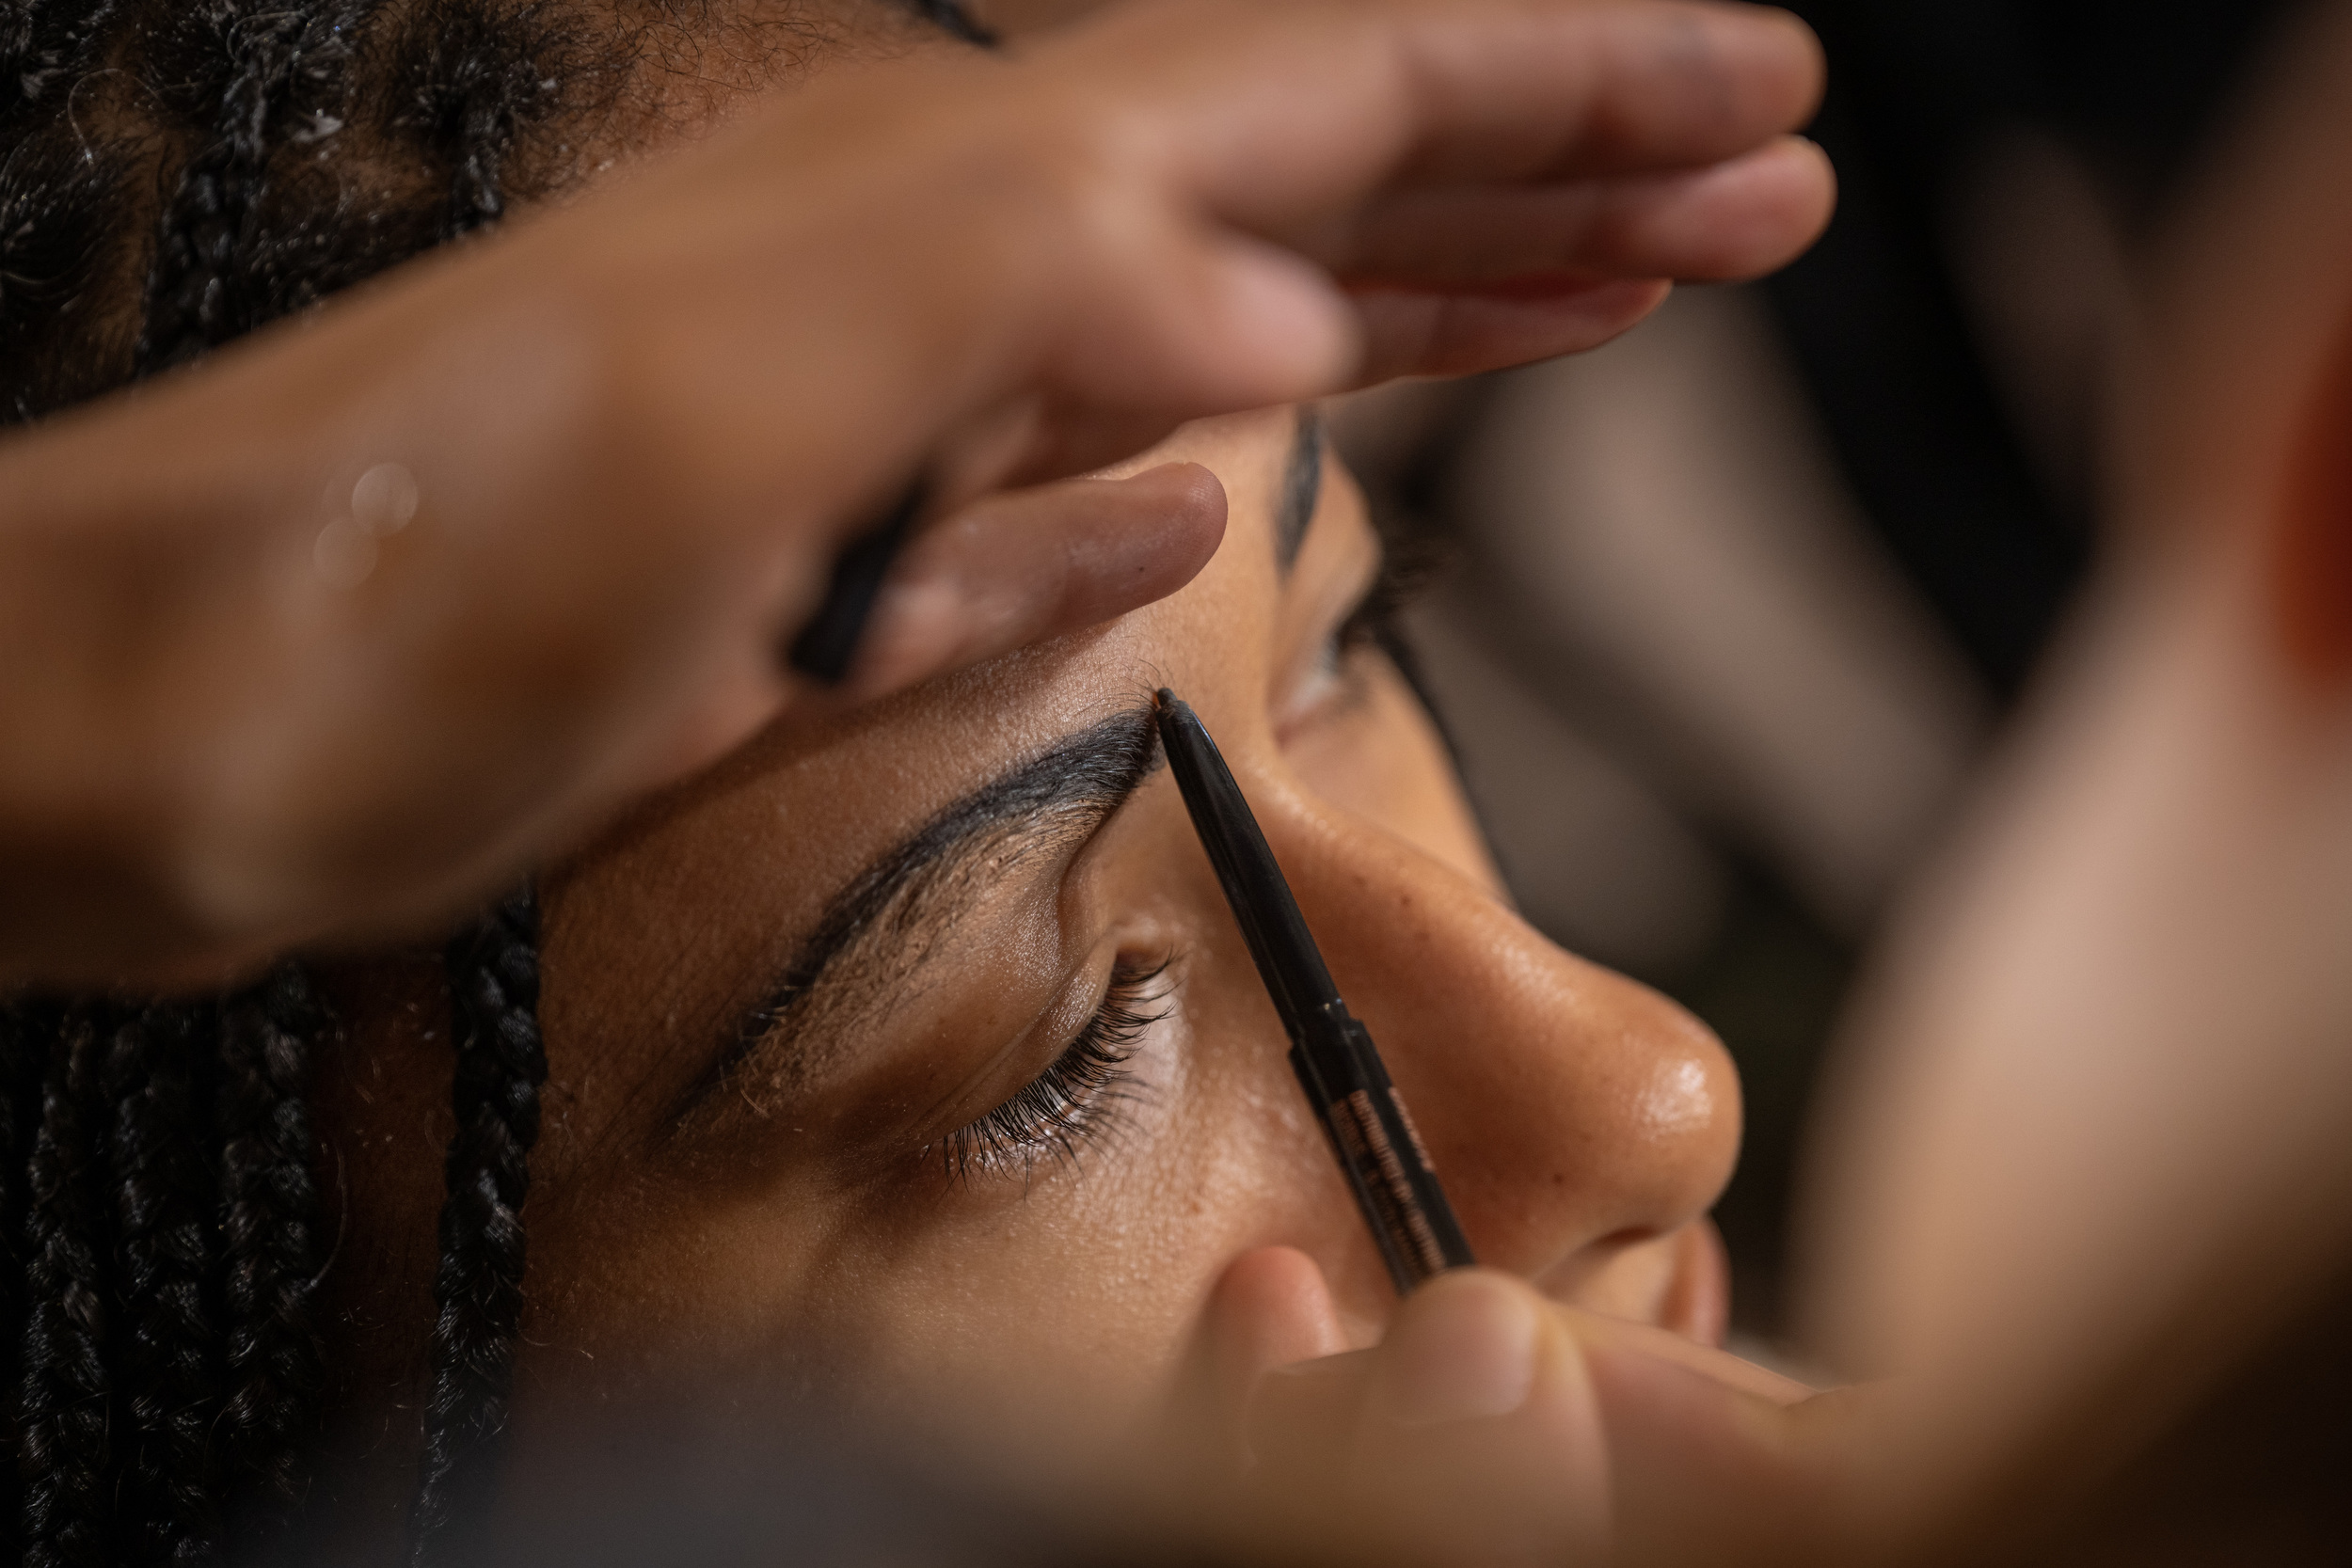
x=1270, y=1309
x=1716, y=1459
x=1019, y=567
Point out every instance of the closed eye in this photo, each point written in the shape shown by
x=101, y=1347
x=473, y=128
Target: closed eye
x=1076, y=1101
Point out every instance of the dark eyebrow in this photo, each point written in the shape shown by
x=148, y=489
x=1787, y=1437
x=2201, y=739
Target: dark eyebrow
x=1302, y=485
x=1063, y=792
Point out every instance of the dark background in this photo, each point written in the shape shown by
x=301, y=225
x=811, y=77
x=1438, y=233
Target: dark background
x=1946, y=343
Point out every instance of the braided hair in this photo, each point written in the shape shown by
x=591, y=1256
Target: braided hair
x=478, y=1288
x=270, y=1241
x=65, y=1427
x=161, y=1237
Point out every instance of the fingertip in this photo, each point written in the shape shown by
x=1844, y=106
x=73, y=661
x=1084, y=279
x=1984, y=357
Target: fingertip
x=1742, y=219
x=1770, y=66
x=1018, y=568
x=1465, y=1346
x=1481, y=1384
x=1812, y=177
x=1139, y=541
x=1794, y=197
x=1424, y=333
x=1270, y=1309
x=1274, y=1303
x=1808, y=62
x=1191, y=484
x=1193, y=508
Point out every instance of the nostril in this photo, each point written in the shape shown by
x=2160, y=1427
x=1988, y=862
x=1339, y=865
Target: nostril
x=1631, y=1236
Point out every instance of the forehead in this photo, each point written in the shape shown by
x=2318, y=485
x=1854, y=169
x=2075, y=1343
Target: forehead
x=1246, y=450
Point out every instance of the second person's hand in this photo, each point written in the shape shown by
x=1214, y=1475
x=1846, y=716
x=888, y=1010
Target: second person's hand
x=1490, y=1425
x=640, y=427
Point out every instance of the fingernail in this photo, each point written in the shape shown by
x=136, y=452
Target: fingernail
x=1464, y=1348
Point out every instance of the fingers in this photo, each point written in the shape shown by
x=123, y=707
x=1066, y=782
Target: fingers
x=1609, y=89
x=1022, y=567
x=1174, y=316
x=1564, y=269
x=1492, y=181
x=1631, y=1343
x=1272, y=1309
x=1491, y=1424
x=1738, y=218
x=1445, y=92
x=1463, y=1349
x=1481, y=1419
x=1471, y=1433
x=1712, y=1464
x=1411, y=332
x=1014, y=568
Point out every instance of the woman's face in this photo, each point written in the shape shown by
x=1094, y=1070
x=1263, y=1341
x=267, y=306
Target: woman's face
x=919, y=1052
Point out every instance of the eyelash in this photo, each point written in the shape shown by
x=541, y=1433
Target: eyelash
x=1407, y=564
x=1075, y=1101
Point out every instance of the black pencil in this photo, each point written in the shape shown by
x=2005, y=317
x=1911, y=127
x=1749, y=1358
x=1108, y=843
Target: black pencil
x=1382, y=1156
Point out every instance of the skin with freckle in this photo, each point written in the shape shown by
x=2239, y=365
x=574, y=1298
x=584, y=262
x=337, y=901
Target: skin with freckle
x=1583, y=1124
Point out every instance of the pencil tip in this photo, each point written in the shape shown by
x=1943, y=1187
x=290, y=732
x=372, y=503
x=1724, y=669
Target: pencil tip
x=1163, y=700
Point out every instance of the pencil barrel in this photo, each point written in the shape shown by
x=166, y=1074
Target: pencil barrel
x=1377, y=1145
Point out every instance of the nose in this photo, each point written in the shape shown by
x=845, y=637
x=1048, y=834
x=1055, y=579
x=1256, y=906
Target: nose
x=1572, y=1114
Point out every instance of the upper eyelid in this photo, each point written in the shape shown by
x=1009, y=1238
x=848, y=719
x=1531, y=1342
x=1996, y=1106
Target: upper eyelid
x=1085, y=776
x=873, y=983
x=1130, y=992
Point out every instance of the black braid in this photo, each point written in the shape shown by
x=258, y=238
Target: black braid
x=164, y=1204
x=270, y=1228
x=59, y=203
x=64, y=1445
x=260, y=75
x=45, y=44
x=130, y=1435
x=493, y=1004
x=477, y=82
x=27, y=1033
x=21, y=30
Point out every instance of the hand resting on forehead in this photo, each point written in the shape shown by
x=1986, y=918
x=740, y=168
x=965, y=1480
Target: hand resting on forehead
x=630, y=429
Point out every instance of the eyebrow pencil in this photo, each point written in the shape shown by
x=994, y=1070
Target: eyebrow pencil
x=827, y=644
x=1379, y=1152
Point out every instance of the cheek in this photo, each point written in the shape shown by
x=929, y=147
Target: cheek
x=1072, y=1301
x=1078, y=1298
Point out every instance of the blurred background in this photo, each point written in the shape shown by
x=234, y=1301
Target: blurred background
x=1724, y=615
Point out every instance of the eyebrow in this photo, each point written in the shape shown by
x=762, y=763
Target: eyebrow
x=1302, y=485
x=920, y=885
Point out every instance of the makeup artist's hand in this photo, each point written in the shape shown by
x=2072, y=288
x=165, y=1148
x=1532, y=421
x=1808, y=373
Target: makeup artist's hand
x=246, y=708
x=1491, y=1425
